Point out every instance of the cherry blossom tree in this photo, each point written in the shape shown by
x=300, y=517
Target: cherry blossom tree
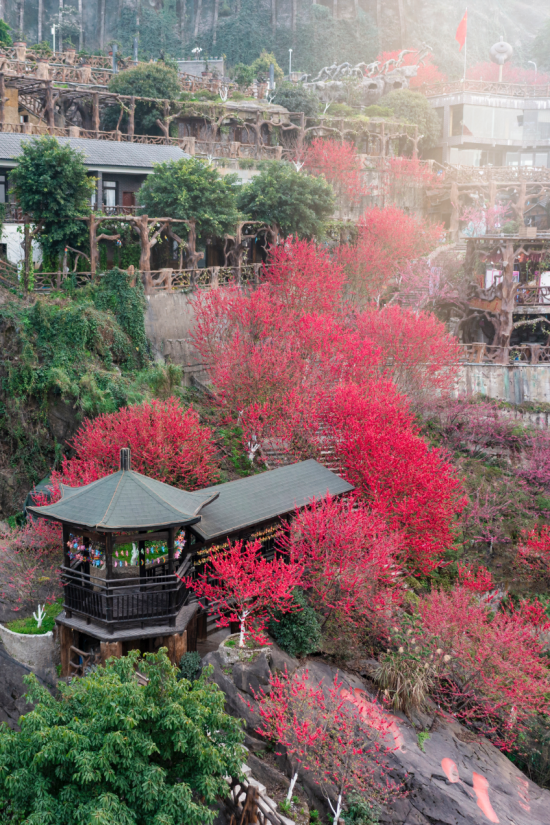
x=167, y=442
x=341, y=166
x=342, y=746
x=241, y=586
x=387, y=239
x=29, y=563
x=491, y=668
x=533, y=553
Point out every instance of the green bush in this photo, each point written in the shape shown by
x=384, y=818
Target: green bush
x=360, y=811
x=242, y=75
x=190, y=666
x=299, y=632
x=296, y=98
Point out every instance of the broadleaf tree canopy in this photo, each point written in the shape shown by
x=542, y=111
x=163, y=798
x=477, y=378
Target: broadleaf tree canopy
x=191, y=188
x=52, y=185
x=297, y=203
x=112, y=751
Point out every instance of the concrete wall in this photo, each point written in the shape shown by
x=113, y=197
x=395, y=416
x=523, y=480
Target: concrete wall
x=39, y=652
x=515, y=384
x=12, y=236
x=169, y=319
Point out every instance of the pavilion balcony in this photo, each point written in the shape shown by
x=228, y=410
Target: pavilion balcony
x=153, y=598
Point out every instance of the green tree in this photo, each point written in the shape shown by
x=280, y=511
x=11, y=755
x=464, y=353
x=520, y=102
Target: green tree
x=414, y=107
x=242, y=75
x=296, y=98
x=110, y=750
x=298, y=204
x=5, y=39
x=154, y=80
x=191, y=188
x=540, y=49
x=299, y=631
x=52, y=185
x=261, y=65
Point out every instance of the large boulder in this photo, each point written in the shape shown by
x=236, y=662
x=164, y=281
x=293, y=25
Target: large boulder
x=452, y=777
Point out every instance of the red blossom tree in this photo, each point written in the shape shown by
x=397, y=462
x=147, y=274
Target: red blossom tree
x=387, y=239
x=533, y=553
x=29, y=563
x=167, y=442
x=337, y=743
x=242, y=586
x=350, y=563
x=341, y=166
x=476, y=581
x=491, y=666
x=411, y=487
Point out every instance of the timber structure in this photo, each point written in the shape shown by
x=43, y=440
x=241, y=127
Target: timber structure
x=117, y=599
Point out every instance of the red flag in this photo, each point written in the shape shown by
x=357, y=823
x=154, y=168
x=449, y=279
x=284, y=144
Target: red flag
x=462, y=30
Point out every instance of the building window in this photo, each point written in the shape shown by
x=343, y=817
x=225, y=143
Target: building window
x=468, y=157
x=526, y=159
x=3, y=190
x=541, y=159
x=109, y=192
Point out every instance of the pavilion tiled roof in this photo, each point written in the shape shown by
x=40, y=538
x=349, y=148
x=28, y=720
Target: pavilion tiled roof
x=125, y=500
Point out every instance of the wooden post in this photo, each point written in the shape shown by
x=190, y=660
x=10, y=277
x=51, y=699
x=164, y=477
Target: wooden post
x=27, y=248
x=110, y=649
x=50, y=116
x=172, y=592
x=132, y=117
x=2, y=100
x=95, y=115
x=108, y=579
x=65, y=643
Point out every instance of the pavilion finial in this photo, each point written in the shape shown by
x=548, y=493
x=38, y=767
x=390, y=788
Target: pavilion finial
x=125, y=458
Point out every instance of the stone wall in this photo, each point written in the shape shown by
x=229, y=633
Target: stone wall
x=169, y=319
x=516, y=384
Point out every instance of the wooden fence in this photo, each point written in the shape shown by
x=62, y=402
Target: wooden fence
x=524, y=354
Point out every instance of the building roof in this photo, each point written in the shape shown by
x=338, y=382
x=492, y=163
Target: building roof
x=125, y=500
x=253, y=500
x=98, y=154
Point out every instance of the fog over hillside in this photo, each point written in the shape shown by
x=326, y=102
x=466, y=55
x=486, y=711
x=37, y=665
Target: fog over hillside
x=318, y=32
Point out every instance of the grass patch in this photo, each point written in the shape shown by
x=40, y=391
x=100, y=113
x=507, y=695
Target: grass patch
x=28, y=625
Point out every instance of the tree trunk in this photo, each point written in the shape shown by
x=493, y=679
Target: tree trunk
x=142, y=226
x=93, y=245
x=2, y=99
x=80, y=26
x=197, y=17
x=132, y=117
x=101, y=24
x=60, y=25
x=22, y=16
x=180, y=11
x=215, y=21
x=27, y=248
x=401, y=12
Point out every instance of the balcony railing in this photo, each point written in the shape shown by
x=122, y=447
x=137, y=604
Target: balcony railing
x=486, y=354
x=155, y=598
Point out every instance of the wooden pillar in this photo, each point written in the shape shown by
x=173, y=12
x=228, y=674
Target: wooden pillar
x=132, y=117
x=109, y=649
x=50, y=117
x=172, y=591
x=108, y=578
x=2, y=100
x=95, y=114
x=142, y=571
x=166, y=120
x=176, y=645
x=66, y=636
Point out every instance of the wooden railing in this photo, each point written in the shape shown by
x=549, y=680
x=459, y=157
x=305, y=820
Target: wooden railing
x=533, y=295
x=153, y=598
x=174, y=280
x=486, y=354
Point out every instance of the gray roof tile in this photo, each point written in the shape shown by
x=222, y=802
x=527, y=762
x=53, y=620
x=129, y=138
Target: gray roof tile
x=99, y=152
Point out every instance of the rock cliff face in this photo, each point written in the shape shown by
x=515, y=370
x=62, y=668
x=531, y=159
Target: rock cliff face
x=455, y=778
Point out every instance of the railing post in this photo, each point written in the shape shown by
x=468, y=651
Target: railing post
x=108, y=578
x=535, y=353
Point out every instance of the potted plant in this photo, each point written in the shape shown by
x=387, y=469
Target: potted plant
x=32, y=640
